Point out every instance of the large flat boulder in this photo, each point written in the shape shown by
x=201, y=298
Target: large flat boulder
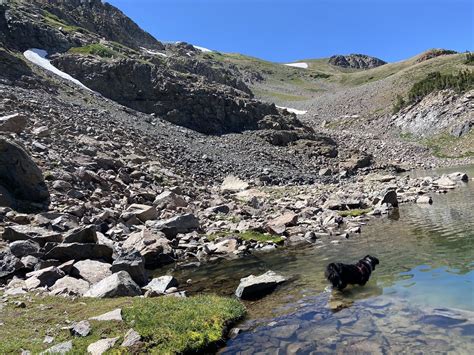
x=255, y=287
x=26, y=232
x=80, y=251
x=20, y=175
x=68, y=285
x=116, y=285
x=179, y=224
x=81, y=235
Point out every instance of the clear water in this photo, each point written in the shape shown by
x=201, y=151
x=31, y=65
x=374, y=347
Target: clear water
x=420, y=299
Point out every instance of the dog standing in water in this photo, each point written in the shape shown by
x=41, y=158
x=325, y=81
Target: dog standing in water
x=340, y=275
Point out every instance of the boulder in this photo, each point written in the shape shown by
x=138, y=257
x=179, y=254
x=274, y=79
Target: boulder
x=59, y=349
x=22, y=248
x=116, y=285
x=26, y=232
x=20, y=176
x=154, y=247
x=255, y=287
x=131, y=339
x=424, y=200
x=101, y=346
x=445, y=182
x=15, y=123
x=233, y=184
x=142, y=212
x=170, y=200
x=458, y=176
x=47, y=276
x=81, y=329
x=81, y=235
x=70, y=286
x=79, y=251
x=133, y=263
x=9, y=263
x=91, y=270
x=226, y=246
x=179, y=224
x=278, y=225
x=161, y=284
x=115, y=315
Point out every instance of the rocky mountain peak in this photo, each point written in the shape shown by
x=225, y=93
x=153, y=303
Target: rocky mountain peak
x=356, y=61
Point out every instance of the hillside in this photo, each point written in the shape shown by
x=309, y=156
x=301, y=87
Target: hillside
x=126, y=162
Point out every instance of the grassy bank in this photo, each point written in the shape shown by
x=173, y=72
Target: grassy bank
x=166, y=324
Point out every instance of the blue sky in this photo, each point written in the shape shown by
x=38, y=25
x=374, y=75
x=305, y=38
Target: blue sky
x=287, y=30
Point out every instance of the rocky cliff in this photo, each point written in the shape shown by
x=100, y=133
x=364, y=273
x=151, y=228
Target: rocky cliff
x=356, y=61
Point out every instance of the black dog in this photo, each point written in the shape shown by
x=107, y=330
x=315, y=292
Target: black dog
x=340, y=275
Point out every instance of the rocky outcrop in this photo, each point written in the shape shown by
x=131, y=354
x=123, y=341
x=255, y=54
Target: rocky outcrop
x=21, y=181
x=196, y=104
x=438, y=112
x=356, y=61
x=433, y=53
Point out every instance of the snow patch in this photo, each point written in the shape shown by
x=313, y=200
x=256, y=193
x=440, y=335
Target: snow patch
x=202, y=49
x=38, y=57
x=298, y=65
x=154, y=52
x=293, y=110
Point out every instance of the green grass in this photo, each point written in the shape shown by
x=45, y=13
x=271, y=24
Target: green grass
x=249, y=235
x=447, y=146
x=178, y=326
x=167, y=324
x=278, y=95
x=96, y=49
x=54, y=21
x=354, y=213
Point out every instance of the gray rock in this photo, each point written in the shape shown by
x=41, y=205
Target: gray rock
x=15, y=123
x=142, y=212
x=161, y=284
x=115, y=315
x=154, y=247
x=39, y=235
x=22, y=248
x=254, y=287
x=62, y=349
x=47, y=277
x=9, y=263
x=458, y=176
x=131, y=339
x=81, y=235
x=116, y=285
x=70, y=286
x=80, y=251
x=170, y=200
x=278, y=225
x=133, y=263
x=20, y=175
x=81, y=329
x=180, y=224
x=91, y=270
x=101, y=346
x=424, y=200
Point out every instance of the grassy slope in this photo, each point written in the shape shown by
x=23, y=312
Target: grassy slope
x=166, y=324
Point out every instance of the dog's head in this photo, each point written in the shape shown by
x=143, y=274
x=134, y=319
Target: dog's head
x=372, y=260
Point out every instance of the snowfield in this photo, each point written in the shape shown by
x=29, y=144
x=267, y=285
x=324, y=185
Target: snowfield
x=293, y=110
x=202, y=49
x=298, y=65
x=38, y=57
